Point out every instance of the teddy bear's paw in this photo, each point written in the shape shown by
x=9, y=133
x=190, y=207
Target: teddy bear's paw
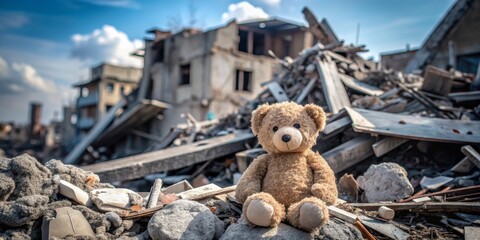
x=311, y=216
x=260, y=213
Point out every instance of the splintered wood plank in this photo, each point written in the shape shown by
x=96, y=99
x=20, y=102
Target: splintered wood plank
x=472, y=155
x=412, y=127
x=360, y=86
x=336, y=125
x=386, y=145
x=422, y=206
x=464, y=166
x=140, y=165
x=382, y=227
x=278, y=92
x=349, y=153
x=333, y=89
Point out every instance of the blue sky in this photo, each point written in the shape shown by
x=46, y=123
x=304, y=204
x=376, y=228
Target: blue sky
x=46, y=46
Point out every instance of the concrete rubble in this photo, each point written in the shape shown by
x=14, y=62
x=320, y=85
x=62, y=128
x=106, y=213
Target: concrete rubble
x=385, y=182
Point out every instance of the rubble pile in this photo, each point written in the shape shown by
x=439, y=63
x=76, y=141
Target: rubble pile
x=404, y=149
x=43, y=211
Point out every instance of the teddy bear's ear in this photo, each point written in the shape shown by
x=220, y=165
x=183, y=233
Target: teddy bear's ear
x=257, y=117
x=317, y=114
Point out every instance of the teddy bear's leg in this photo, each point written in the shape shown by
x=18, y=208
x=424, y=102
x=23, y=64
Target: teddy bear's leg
x=308, y=214
x=262, y=209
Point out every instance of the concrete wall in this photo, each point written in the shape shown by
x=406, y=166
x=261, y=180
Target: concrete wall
x=466, y=37
x=396, y=61
x=122, y=73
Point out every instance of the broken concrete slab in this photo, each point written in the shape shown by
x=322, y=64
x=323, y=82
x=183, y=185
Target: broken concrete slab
x=67, y=222
x=115, y=199
x=73, y=192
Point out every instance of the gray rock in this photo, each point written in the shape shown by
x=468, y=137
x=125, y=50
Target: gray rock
x=243, y=231
x=114, y=219
x=337, y=229
x=185, y=219
x=385, y=182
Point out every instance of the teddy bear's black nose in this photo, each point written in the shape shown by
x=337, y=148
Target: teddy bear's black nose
x=286, y=138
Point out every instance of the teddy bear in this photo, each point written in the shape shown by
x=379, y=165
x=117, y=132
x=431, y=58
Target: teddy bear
x=290, y=181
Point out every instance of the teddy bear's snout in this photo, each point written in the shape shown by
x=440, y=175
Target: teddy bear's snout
x=287, y=139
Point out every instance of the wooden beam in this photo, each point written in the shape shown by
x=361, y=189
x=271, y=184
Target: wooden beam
x=306, y=90
x=333, y=89
x=336, y=125
x=360, y=86
x=422, y=206
x=413, y=127
x=278, y=92
x=212, y=193
x=461, y=97
x=472, y=155
x=386, y=145
x=140, y=165
x=464, y=166
x=382, y=227
x=349, y=153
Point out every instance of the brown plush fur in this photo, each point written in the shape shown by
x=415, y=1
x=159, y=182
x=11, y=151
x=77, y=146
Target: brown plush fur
x=289, y=178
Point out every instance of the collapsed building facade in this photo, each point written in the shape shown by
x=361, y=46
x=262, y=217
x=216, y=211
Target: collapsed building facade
x=210, y=74
x=451, y=44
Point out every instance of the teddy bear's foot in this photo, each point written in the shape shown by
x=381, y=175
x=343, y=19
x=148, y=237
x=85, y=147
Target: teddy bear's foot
x=308, y=214
x=259, y=213
x=261, y=209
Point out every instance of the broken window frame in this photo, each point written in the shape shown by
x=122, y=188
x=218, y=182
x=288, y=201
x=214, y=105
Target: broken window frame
x=185, y=75
x=243, y=81
x=110, y=88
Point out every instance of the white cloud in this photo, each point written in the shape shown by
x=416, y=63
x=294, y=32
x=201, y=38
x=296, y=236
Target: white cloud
x=243, y=11
x=21, y=84
x=272, y=3
x=3, y=68
x=106, y=44
x=12, y=19
x=19, y=77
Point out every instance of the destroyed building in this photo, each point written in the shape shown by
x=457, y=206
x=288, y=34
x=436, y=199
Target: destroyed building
x=201, y=75
x=107, y=85
x=452, y=43
x=210, y=74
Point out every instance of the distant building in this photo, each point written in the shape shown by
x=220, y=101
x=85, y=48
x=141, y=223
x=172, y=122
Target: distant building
x=397, y=60
x=107, y=85
x=454, y=42
x=209, y=74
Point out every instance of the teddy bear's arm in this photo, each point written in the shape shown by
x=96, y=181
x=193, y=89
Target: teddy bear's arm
x=251, y=180
x=324, y=186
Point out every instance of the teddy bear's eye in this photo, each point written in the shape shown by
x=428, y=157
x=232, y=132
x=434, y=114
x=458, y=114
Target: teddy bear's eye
x=296, y=125
x=275, y=129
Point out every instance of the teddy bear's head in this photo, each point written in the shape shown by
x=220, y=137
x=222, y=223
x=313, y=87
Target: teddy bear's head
x=287, y=126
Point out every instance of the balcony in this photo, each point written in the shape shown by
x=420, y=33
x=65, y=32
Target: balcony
x=91, y=99
x=85, y=123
